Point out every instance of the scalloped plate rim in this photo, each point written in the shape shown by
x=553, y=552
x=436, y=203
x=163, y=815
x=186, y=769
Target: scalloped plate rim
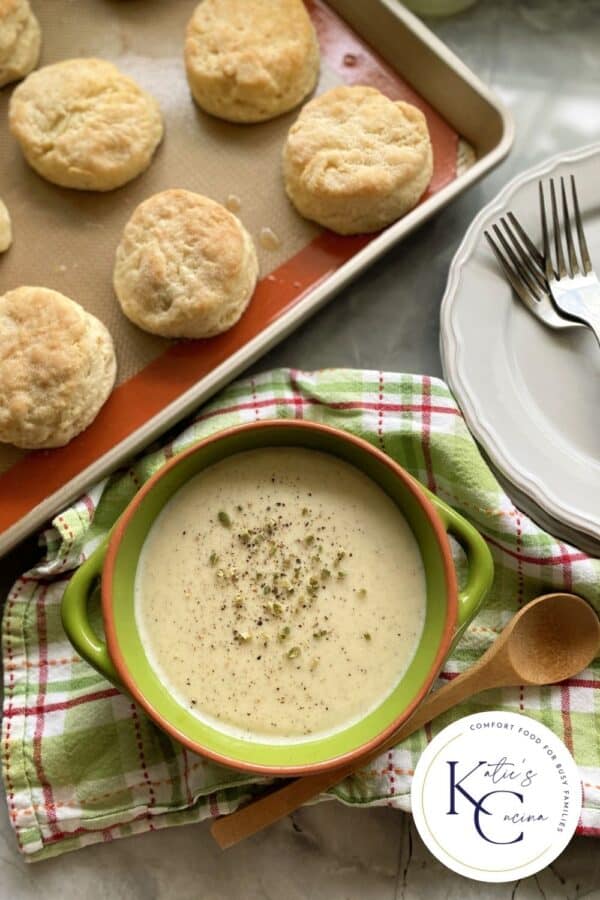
x=452, y=353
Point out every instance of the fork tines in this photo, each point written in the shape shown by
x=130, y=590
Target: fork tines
x=522, y=262
x=574, y=267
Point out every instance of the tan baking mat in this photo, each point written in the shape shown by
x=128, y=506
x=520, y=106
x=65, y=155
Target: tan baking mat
x=66, y=239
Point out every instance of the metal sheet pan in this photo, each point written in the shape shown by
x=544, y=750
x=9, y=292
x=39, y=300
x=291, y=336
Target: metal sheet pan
x=75, y=234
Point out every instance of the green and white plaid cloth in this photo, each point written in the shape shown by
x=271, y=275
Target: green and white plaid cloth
x=81, y=763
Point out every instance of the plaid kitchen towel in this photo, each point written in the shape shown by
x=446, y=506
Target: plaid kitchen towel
x=81, y=762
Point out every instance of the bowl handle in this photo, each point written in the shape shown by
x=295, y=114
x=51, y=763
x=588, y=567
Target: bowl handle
x=479, y=559
x=75, y=618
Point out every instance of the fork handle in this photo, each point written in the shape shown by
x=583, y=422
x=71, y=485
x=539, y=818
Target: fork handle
x=596, y=331
x=580, y=308
x=595, y=326
x=593, y=323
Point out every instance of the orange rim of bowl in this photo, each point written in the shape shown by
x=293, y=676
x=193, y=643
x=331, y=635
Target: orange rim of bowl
x=336, y=761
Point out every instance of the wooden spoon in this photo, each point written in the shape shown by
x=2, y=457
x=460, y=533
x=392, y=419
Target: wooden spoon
x=552, y=638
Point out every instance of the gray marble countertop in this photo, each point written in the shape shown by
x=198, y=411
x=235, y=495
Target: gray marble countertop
x=542, y=58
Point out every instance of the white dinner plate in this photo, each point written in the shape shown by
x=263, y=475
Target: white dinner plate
x=530, y=395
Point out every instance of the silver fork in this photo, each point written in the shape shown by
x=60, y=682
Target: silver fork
x=524, y=268
x=576, y=290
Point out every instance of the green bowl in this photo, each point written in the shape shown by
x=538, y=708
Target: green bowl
x=123, y=659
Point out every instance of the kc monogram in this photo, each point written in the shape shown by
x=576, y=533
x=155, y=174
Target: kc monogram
x=478, y=806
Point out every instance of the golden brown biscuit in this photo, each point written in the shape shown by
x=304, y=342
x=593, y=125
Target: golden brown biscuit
x=355, y=161
x=5, y=228
x=185, y=267
x=20, y=40
x=251, y=60
x=82, y=124
x=57, y=368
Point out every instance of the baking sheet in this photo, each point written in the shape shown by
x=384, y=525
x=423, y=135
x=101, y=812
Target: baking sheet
x=66, y=239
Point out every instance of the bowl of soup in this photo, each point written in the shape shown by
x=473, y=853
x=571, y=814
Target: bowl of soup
x=279, y=597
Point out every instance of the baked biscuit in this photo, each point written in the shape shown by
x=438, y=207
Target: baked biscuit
x=354, y=161
x=185, y=268
x=83, y=124
x=57, y=368
x=5, y=228
x=251, y=60
x=20, y=40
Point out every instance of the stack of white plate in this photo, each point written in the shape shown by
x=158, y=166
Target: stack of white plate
x=530, y=395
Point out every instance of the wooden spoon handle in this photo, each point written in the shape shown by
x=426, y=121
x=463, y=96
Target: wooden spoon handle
x=260, y=813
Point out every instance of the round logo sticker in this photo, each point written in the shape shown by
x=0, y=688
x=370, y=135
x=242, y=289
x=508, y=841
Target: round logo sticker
x=496, y=796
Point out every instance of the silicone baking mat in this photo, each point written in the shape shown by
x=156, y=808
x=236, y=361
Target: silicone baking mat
x=66, y=239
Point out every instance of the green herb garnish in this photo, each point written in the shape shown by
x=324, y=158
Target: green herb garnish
x=242, y=637
x=274, y=608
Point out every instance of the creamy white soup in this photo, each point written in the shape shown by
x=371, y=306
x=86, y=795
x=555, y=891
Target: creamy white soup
x=281, y=593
